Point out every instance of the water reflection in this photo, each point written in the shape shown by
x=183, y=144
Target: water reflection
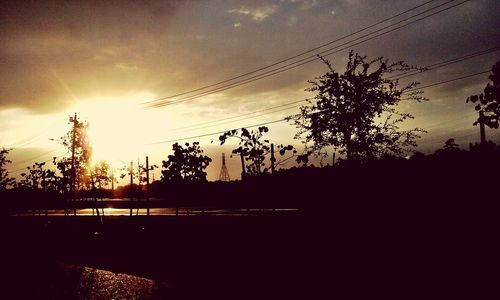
x=184, y=211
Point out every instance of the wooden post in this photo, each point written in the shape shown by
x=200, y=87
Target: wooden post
x=481, y=127
x=272, y=159
x=113, y=182
x=139, y=188
x=131, y=184
x=73, y=171
x=94, y=196
x=333, y=161
x=243, y=173
x=147, y=184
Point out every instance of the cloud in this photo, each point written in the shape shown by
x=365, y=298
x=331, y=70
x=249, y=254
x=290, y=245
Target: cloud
x=303, y=4
x=292, y=21
x=98, y=49
x=126, y=67
x=308, y=4
x=257, y=14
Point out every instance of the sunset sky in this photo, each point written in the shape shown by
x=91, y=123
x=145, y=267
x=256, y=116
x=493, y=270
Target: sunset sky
x=105, y=59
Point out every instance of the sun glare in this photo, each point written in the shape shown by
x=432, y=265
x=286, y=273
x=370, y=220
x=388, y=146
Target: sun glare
x=119, y=130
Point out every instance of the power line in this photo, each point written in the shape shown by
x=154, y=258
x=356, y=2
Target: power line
x=444, y=63
x=250, y=114
x=32, y=138
x=298, y=63
x=294, y=56
x=243, y=119
x=436, y=125
x=38, y=156
x=430, y=67
x=214, y=133
x=308, y=59
x=22, y=169
x=438, y=139
x=281, y=120
x=448, y=81
x=427, y=68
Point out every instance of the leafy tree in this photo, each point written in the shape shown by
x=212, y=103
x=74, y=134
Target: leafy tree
x=39, y=178
x=355, y=111
x=488, y=103
x=82, y=153
x=186, y=164
x=450, y=146
x=417, y=156
x=450, y=151
x=253, y=148
x=5, y=180
x=101, y=174
x=63, y=180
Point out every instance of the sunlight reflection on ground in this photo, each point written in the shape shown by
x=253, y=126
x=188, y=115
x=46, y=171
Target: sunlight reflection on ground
x=159, y=212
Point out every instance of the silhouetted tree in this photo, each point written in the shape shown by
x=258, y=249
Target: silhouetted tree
x=101, y=174
x=449, y=150
x=417, y=156
x=63, y=180
x=253, y=148
x=39, y=178
x=450, y=145
x=5, y=180
x=355, y=111
x=82, y=151
x=489, y=102
x=185, y=164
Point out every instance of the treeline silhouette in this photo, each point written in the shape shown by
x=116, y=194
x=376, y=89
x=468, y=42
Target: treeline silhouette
x=449, y=172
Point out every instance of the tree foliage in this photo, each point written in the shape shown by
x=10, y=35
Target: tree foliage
x=39, y=178
x=449, y=147
x=253, y=148
x=5, y=180
x=489, y=101
x=82, y=156
x=355, y=112
x=101, y=173
x=186, y=164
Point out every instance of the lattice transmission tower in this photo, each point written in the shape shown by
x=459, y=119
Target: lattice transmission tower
x=224, y=174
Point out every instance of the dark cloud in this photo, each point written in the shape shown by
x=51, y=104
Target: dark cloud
x=52, y=50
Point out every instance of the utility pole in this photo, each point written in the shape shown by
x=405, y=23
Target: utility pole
x=139, y=190
x=73, y=171
x=273, y=159
x=147, y=184
x=481, y=127
x=113, y=182
x=131, y=183
x=243, y=173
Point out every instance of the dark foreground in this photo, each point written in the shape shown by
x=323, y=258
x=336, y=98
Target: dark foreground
x=359, y=252
x=418, y=229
